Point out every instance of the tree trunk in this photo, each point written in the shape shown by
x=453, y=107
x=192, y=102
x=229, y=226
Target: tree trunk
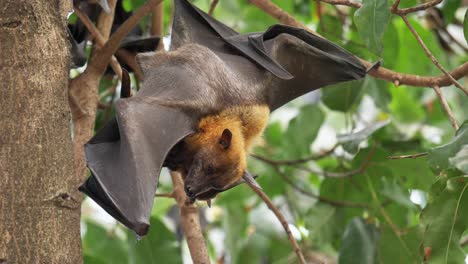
x=39, y=202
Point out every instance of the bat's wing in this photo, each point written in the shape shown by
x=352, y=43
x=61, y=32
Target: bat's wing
x=126, y=156
x=140, y=44
x=281, y=63
x=312, y=61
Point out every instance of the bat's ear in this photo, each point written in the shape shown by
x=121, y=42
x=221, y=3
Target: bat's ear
x=145, y=61
x=250, y=179
x=126, y=90
x=225, y=139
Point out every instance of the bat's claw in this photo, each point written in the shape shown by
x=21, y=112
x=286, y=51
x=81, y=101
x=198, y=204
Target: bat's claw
x=208, y=202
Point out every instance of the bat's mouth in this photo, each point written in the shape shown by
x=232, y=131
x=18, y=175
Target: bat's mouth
x=206, y=194
x=210, y=192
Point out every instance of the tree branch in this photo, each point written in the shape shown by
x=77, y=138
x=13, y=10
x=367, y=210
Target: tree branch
x=420, y=7
x=343, y=2
x=296, y=161
x=157, y=23
x=83, y=99
x=329, y=174
x=100, y=41
x=380, y=73
x=166, y=195
x=412, y=156
x=276, y=12
x=446, y=107
x=190, y=221
x=316, y=196
x=212, y=7
x=101, y=59
x=281, y=218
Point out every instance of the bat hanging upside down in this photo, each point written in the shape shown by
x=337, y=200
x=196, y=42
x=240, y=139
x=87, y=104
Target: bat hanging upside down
x=201, y=106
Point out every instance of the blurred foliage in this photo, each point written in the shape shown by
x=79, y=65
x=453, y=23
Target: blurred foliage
x=392, y=211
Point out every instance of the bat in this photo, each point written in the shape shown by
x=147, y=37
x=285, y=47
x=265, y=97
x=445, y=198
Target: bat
x=201, y=106
x=78, y=34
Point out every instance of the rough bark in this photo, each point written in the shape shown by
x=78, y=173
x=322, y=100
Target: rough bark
x=39, y=202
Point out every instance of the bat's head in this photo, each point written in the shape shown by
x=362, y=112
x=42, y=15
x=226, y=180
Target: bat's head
x=219, y=161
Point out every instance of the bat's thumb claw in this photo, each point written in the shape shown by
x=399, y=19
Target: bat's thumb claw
x=208, y=202
x=250, y=179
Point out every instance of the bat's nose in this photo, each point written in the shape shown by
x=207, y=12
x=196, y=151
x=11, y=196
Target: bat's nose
x=189, y=191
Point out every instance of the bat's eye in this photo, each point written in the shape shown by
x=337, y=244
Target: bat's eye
x=210, y=169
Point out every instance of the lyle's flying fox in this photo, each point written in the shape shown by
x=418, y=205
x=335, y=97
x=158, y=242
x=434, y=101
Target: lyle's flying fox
x=201, y=106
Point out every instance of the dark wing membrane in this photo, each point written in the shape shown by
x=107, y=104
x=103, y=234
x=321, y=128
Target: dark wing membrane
x=313, y=61
x=299, y=60
x=126, y=156
x=191, y=25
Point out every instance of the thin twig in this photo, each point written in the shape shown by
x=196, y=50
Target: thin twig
x=343, y=2
x=431, y=56
x=316, y=196
x=157, y=23
x=446, y=107
x=380, y=73
x=329, y=174
x=318, y=12
x=297, y=161
x=99, y=39
x=395, y=5
x=412, y=156
x=166, y=195
x=278, y=13
x=212, y=7
x=420, y=7
x=282, y=220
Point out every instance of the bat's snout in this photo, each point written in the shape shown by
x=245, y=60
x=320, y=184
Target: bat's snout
x=189, y=190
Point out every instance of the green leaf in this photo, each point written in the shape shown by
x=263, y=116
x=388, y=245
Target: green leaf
x=331, y=28
x=274, y=134
x=397, y=193
x=448, y=10
x=401, y=248
x=92, y=260
x=371, y=20
x=445, y=220
x=405, y=106
x=390, y=53
x=302, y=130
x=414, y=172
x=159, y=244
x=378, y=90
x=103, y=246
x=460, y=161
x=351, y=141
x=439, y=157
x=411, y=51
x=161, y=206
x=321, y=221
x=342, y=96
x=359, y=243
